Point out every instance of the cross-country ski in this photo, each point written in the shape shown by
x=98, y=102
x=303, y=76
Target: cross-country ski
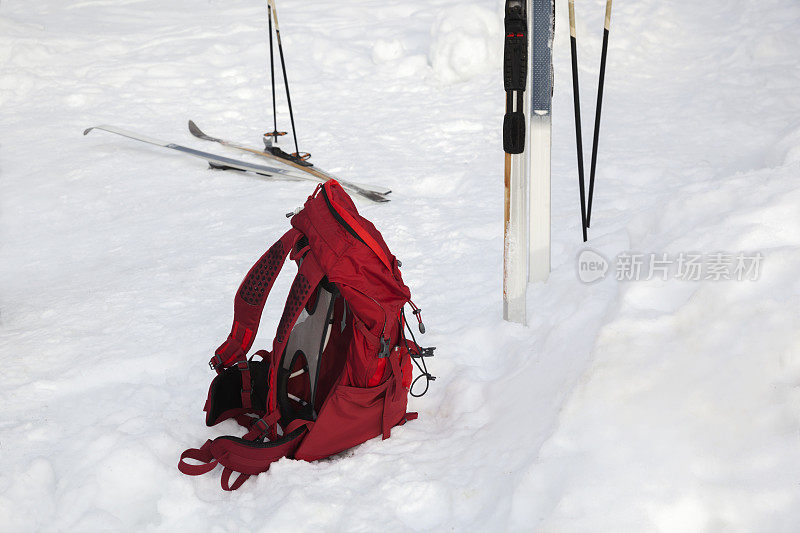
x=224, y=163
x=516, y=122
x=541, y=127
x=276, y=154
x=527, y=132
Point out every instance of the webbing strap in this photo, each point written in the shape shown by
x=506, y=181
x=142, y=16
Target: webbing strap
x=245, y=421
x=395, y=386
x=260, y=427
x=226, y=477
x=247, y=384
x=202, y=454
x=249, y=302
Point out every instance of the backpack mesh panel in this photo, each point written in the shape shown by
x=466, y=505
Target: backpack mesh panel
x=263, y=274
x=297, y=295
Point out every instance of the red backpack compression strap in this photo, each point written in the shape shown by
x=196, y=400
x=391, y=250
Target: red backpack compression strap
x=249, y=302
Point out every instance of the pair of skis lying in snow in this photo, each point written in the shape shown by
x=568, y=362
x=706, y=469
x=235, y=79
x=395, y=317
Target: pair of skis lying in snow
x=298, y=170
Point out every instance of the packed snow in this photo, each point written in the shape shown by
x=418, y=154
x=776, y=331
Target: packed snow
x=665, y=405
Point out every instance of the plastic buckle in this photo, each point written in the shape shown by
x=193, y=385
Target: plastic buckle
x=260, y=425
x=215, y=362
x=423, y=352
x=263, y=424
x=386, y=350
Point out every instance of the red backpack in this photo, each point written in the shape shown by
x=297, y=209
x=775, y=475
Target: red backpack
x=339, y=372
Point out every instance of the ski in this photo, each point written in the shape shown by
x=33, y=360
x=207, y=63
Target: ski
x=226, y=163
x=515, y=74
x=275, y=153
x=542, y=29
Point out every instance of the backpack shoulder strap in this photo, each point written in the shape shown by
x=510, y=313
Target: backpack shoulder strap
x=308, y=277
x=249, y=302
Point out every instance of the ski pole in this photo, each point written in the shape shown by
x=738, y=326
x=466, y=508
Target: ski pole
x=597, y=111
x=271, y=3
x=272, y=74
x=577, y=101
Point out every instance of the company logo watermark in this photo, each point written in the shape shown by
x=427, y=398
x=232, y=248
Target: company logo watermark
x=684, y=266
x=591, y=266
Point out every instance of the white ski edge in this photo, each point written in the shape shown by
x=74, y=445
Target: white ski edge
x=526, y=172
x=200, y=134
x=233, y=163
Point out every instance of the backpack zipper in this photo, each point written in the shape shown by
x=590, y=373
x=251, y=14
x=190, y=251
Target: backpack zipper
x=339, y=218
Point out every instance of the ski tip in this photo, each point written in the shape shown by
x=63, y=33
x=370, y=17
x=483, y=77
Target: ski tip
x=375, y=197
x=197, y=132
x=87, y=130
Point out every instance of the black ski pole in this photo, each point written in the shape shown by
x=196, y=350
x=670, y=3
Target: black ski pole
x=271, y=3
x=597, y=111
x=577, y=99
x=274, y=133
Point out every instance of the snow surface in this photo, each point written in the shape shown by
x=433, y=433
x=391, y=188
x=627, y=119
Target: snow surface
x=639, y=406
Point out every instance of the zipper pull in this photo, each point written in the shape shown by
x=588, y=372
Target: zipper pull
x=293, y=213
x=417, y=313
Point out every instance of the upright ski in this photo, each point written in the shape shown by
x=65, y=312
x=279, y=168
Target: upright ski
x=276, y=154
x=515, y=123
x=542, y=28
x=220, y=162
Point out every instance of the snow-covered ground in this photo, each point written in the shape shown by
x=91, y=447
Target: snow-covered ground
x=624, y=406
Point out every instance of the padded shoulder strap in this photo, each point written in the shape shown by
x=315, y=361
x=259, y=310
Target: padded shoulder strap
x=249, y=302
x=308, y=277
